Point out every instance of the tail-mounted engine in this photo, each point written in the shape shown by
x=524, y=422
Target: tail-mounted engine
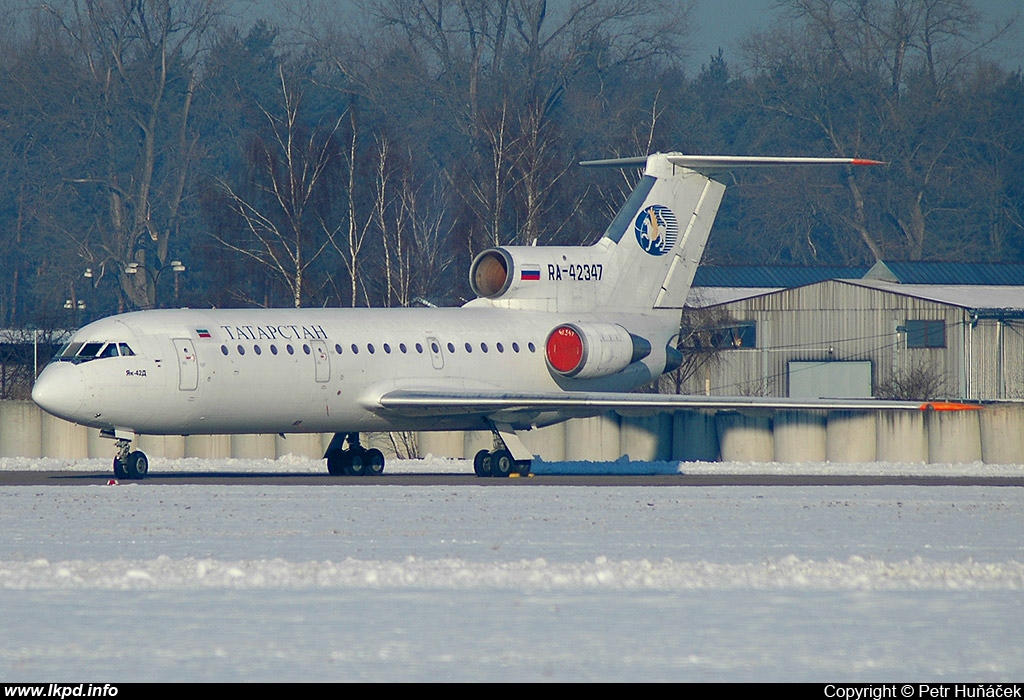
x=541, y=278
x=591, y=350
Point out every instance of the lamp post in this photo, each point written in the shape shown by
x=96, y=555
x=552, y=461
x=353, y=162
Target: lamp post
x=175, y=266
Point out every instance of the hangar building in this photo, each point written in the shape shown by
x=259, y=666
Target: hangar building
x=915, y=330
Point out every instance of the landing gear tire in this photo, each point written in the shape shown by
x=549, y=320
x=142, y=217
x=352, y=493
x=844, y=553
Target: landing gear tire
x=523, y=467
x=373, y=462
x=119, y=470
x=137, y=466
x=356, y=462
x=337, y=462
x=502, y=463
x=482, y=463
x=353, y=460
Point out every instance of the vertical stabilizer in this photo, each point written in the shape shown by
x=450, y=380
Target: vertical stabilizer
x=648, y=254
x=656, y=241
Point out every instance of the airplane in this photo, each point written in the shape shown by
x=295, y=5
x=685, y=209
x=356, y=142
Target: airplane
x=555, y=332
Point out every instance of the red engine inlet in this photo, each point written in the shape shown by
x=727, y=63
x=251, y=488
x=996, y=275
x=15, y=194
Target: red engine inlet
x=590, y=350
x=565, y=350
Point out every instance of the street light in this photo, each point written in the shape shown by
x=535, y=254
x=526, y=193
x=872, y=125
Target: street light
x=175, y=266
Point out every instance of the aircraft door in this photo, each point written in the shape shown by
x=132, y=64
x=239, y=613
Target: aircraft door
x=436, y=358
x=322, y=360
x=188, y=365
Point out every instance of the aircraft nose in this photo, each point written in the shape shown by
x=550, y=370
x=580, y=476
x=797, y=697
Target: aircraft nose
x=59, y=390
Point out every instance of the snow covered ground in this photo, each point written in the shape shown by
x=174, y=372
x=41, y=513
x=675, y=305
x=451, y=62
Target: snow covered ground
x=141, y=582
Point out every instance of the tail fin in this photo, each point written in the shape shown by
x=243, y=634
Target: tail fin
x=647, y=256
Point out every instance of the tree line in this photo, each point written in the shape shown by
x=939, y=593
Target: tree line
x=166, y=153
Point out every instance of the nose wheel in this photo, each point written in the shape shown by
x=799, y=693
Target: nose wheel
x=130, y=464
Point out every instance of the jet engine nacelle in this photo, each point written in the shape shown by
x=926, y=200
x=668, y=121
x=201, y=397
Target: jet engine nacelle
x=591, y=350
x=541, y=278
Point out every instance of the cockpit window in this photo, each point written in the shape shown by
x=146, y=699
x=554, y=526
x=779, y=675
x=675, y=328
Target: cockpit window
x=83, y=352
x=89, y=351
x=69, y=351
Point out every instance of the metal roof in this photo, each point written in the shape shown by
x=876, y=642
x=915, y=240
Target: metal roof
x=946, y=273
x=987, y=299
x=770, y=276
x=916, y=272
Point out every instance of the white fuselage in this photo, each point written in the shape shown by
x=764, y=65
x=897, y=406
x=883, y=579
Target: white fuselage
x=314, y=370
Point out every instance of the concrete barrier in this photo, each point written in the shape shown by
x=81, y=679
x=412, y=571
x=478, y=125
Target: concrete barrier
x=694, y=436
x=20, y=429
x=448, y=443
x=593, y=439
x=850, y=436
x=799, y=436
x=901, y=437
x=1002, y=434
x=165, y=446
x=646, y=438
x=62, y=439
x=258, y=446
x=995, y=435
x=548, y=442
x=208, y=446
x=743, y=438
x=954, y=437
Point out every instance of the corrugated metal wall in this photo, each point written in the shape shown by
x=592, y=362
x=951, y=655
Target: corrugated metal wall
x=838, y=321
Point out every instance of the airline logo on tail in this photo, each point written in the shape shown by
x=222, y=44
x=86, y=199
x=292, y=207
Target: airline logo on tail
x=656, y=229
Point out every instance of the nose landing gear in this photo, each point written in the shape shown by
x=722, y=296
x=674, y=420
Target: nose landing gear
x=130, y=464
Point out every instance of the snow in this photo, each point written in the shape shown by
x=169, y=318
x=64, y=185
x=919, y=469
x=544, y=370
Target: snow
x=147, y=582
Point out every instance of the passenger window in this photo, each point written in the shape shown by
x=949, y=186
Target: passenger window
x=515, y=347
x=290, y=349
x=387, y=348
x=469, y=348
x=355, y=349
x=305, y=348
x=273, y=349
x=257, y=349
x=224, y=349
x=501, y=348
x=483, y=347
x=533, y=348
x=401, y=346
x=337, y=348
x=369, y=346
x=241, y=350
x=451, y=348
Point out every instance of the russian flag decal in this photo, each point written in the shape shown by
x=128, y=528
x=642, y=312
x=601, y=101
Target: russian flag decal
x=530, y=273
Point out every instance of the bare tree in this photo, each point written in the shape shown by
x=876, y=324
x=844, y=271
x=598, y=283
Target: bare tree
x=141, y=59
x=291, y=174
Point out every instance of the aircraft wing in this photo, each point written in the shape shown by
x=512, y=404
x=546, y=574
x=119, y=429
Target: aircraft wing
x=424, y=403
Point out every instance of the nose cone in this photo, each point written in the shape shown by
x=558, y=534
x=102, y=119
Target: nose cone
x=59, y=390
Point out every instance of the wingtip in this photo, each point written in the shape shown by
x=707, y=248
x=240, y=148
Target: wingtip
x=867, y=161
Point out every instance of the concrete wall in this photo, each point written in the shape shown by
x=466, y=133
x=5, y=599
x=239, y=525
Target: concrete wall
x=994, y=435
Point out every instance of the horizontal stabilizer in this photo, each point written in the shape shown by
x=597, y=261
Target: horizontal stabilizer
x=715, y=164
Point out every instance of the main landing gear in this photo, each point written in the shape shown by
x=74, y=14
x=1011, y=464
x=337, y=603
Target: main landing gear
x=355, y=460
x=130, y=464
x=499, y=463
x=502, y=461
